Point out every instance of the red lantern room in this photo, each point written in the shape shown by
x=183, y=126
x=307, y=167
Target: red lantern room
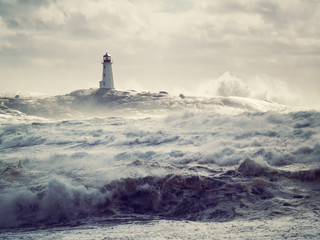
x=106, y=58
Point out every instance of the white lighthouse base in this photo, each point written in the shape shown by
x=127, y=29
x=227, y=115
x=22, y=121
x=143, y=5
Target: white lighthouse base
x=107, y=76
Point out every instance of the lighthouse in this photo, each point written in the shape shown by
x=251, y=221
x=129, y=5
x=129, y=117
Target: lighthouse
x=107, y=76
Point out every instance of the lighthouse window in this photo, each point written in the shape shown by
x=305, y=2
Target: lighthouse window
x=104, y=66
x=104, y=74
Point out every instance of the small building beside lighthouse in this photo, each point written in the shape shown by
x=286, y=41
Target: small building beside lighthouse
x=107, y=76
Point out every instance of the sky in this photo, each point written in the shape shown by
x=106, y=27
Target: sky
x=264, y=49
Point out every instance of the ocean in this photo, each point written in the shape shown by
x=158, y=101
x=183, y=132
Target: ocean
x=97, y=164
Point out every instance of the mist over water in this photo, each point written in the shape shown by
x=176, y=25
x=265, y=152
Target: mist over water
x=261, y=88
x=157, y=158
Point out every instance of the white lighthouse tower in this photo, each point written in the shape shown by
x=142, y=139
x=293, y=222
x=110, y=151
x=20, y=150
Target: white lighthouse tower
x=107, y=76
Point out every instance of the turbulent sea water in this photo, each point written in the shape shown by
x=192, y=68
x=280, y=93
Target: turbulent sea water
x=125, y=165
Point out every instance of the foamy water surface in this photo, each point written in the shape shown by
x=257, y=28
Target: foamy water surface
x=188, y=173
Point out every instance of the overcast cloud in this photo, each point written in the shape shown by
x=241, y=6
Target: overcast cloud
x=254, y=48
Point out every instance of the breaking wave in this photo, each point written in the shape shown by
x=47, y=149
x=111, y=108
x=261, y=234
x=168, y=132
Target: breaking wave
x=250, y=188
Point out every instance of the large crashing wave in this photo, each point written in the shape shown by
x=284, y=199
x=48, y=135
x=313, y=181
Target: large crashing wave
x=214, y=159
x=250, y=191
